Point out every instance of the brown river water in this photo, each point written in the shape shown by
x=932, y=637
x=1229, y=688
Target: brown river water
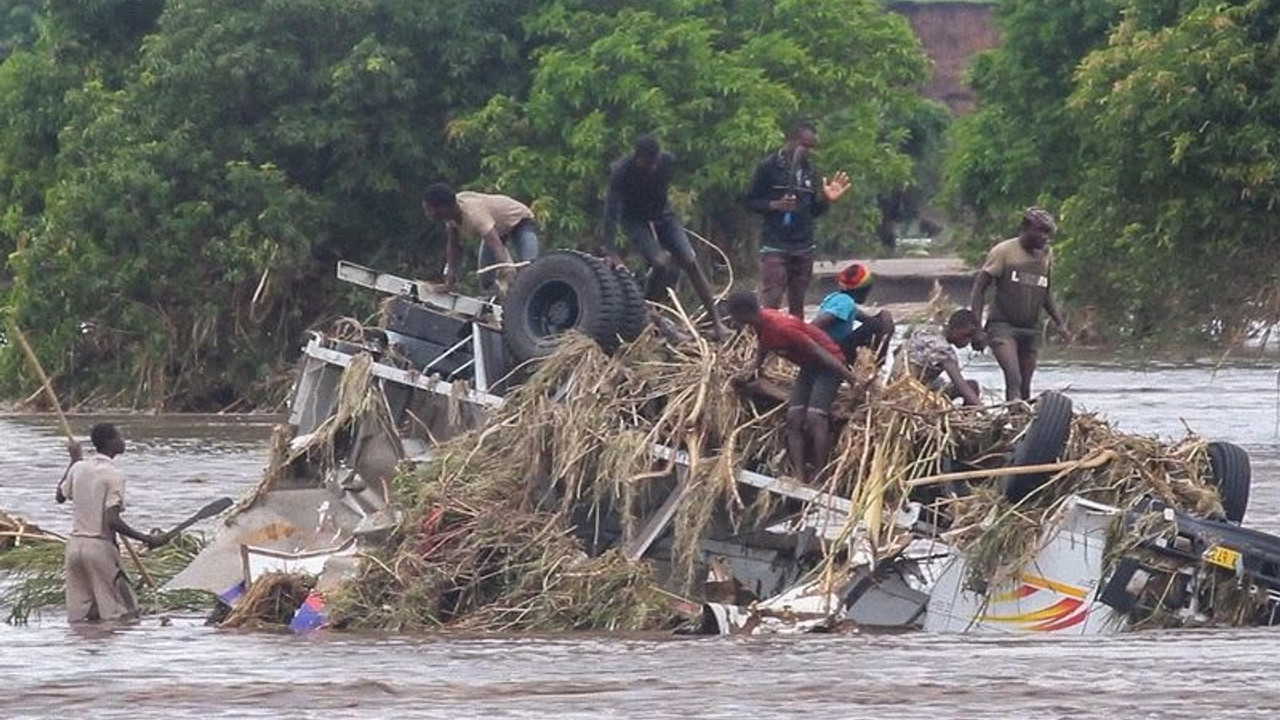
x=177, y=463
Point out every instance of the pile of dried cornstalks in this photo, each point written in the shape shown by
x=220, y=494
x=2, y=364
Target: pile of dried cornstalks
x=495, y=523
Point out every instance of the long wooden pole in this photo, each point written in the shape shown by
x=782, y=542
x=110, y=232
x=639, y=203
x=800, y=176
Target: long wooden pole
x=1096, y=460
x=34, y=361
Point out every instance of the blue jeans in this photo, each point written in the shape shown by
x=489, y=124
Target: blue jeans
x=521, y=242
x=650, y=238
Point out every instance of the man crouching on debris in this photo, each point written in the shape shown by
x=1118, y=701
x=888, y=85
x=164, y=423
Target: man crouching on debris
x=927, y=354
x=97, y=588
x=842, y=316
x=821, y=370
x=500, y=222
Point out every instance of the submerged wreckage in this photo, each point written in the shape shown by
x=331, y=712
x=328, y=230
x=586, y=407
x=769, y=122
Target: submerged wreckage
x=471, y=465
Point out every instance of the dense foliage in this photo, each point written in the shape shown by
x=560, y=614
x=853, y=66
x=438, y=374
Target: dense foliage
x=183, y=225
x=1021, y=146
x=1151, y=125
x=1174, y=222
x=717, y=83
x=177, y=177
x=17, y=25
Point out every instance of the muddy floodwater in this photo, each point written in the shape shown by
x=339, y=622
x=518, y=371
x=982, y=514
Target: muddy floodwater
x=177, y=463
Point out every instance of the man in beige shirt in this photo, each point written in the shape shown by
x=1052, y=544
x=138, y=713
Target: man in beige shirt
x=1020, y=269
x=97, y=588
x=500, y=222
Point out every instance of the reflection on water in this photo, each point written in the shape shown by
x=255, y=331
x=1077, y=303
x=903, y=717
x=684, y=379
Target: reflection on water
x=177, y=463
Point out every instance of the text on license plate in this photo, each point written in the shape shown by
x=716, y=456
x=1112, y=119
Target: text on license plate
x=1223, y=557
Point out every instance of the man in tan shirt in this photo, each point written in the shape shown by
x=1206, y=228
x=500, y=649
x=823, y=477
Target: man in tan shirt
x=97, y=588
x=1020, y=269
x=500, y=222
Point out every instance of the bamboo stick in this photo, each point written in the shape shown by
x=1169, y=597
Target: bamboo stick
x=1087, y=463
x=66, y=428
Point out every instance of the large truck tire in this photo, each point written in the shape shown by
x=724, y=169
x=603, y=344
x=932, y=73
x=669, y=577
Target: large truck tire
x=1232, y=474
x=1042, y=443
x=635, y=313
x=561, y=291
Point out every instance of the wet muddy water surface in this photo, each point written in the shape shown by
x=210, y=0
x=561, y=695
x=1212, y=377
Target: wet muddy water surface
x=177, y=463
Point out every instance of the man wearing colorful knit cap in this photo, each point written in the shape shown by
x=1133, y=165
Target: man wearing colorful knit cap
x=841, y=316
x=1020, y=269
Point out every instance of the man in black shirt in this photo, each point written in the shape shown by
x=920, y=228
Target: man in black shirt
x=637, y=200
x=790, y=194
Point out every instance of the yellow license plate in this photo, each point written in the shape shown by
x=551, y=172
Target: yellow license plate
x=1223, y=557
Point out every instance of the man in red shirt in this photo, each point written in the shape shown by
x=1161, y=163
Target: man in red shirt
x=821, y=370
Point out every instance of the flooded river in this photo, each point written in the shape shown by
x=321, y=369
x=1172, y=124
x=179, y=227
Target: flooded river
x=176, y=464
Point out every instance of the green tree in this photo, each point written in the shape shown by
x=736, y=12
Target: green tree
x=1021, y=146
x=191, y=231
x=716, y=82
x=1174, y=223
x=18, y=19
x=94, y=41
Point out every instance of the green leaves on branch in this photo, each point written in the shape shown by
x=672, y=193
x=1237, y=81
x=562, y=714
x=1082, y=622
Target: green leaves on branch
x=180, y=215
x=1152, y=125
x=716, y=84
x=1181, y=184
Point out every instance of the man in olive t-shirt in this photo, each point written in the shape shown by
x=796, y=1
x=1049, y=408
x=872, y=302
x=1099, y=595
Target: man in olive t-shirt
x=1020, y=269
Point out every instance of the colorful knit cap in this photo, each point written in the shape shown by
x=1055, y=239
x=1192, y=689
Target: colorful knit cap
x=855, y=276
x=1039, y=217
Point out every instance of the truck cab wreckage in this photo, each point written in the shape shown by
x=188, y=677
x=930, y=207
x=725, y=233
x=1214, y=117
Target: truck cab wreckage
x=1030, y=520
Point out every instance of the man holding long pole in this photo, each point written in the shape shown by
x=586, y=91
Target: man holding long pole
x=97, y=587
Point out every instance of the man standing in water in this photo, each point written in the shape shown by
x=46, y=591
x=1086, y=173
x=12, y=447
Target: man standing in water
x=821, y=371
x=499, y=221
x=638, y=188
x=1020, y=269
x=790, y=194
x=97, y=588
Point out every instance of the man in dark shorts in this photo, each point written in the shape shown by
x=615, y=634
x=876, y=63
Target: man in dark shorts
x=637, y=200
x=790, y=194
x=842, y=316
x=1020, y=269
x=821, y=371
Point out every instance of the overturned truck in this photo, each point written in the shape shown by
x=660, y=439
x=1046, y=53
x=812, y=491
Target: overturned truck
x=556, y=463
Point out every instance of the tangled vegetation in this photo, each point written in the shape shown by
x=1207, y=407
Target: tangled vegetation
x=32, y=577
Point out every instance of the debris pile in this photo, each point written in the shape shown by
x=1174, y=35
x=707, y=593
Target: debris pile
x=495, y=535
x=525, y=522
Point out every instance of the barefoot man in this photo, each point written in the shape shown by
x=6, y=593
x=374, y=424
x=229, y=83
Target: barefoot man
x=821, y=371
x=1020, y=270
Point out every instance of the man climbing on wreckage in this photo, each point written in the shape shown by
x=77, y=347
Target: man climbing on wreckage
x=928, y=354
x=842, y=317
x=1020, y=269
x=821, y=371
x=638, y=200
x=500, y=222
x=97, y=588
